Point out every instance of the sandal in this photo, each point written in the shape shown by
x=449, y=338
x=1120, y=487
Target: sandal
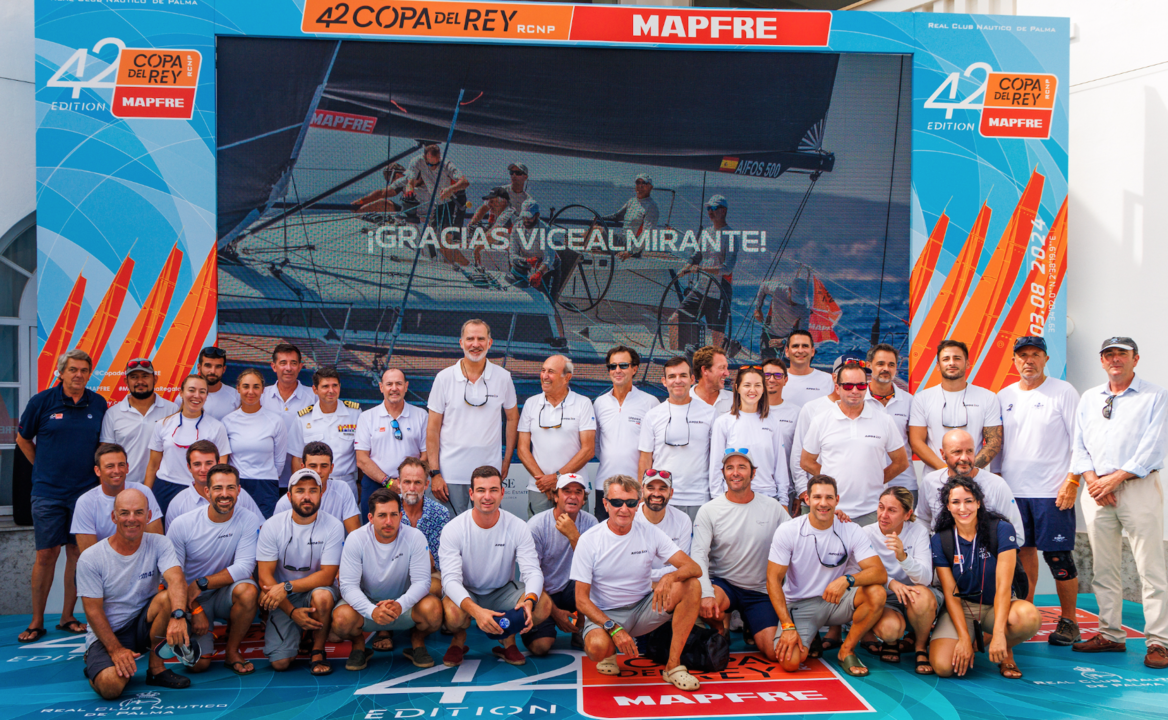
x=1010, y=671
x=873, y=647
x=853, y=662
x=816, y=648
x=73, y=626
x=358, y=659
x=236, y=666
x=924, y=667
x=608, y=666
x=680, y=678
x=37, y=634
x=380, y=639
x=890, y=654
x=830, y=643
x=318, y=664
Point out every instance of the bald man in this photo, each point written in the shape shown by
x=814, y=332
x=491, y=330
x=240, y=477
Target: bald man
x=388, y=434
x=958, y=453
x=557, y=433
x=117, y=581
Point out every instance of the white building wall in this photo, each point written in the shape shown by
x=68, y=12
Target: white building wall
x=17, y=113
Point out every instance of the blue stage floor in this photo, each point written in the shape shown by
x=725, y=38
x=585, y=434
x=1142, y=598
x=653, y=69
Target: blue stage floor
x=44, y=679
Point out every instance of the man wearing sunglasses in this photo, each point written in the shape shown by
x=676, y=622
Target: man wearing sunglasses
x=335, y=499
x=731, y=538
x=619, y=413
x=784, y=410
x=130, y=422
x=463, y=431
x=1038, y=424
x=202, y=455
x=430, y=175
x=812, y=555
x=857, y=444
x=331, y=421
x=222, y=399
x=676, y=435
x=955, y=403
x=297, y=557
x=884, y=360
x=657, y=491
x=386, y=434
x=958, y=454
x=557, y=433
x=1120, y=433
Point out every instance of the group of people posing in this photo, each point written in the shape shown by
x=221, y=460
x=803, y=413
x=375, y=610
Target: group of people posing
x=781, y=507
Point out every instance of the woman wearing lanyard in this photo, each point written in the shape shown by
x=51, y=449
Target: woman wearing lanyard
x=975, y=553
x=167, y=473
x=749, y=425
x=259, y=442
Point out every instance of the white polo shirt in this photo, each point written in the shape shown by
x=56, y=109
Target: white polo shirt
x=855, y=453
x=802, y=389
x=221, y=402
x=688, y=428
x=375, y=435
x=132, y=430
x=998, y=497
x=807, y=413
x=722, y=405
x=173, y=435
x=618, y=431
x=472, y=425
x=806, y=552
x=1038, y=427
x=337, y=429
x=300, y=398
x=970, y=409
x=899, y=408
x=555, y=430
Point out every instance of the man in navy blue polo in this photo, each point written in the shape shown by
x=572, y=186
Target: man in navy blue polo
x=65, y=423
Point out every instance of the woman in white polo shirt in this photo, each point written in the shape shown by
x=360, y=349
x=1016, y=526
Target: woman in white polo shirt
x=259, y=442
x=749, y=425
x=167, y=474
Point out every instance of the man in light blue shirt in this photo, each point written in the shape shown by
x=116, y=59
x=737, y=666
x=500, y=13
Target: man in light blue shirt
x=1120, y=432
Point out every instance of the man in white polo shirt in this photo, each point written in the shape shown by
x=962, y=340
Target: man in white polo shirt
x=953, y=404
x=464, y=431
x=221, y=399
x=479, y=551
x=883, y=360
x=385, y=583
x=388, y=433
x=1038, y=426
x=958, y=453
x=330, y=421
x=611, y=568
x=557, y=433
x=855, y=443
x=288, y=396
x=619, y=413
x=675, y=436
x=711, y=369
x=217, y=551
x=334, y=500
x=804, y=383
x=657, y=491
x=809, y=585
x=202, y=455
x=130, y=423
x=92, y=520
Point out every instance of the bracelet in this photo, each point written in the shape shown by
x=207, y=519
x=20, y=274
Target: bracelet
x=531, y=596
x=198, y=610
x=615, y=630
x=1073, y=482
x=789, y=626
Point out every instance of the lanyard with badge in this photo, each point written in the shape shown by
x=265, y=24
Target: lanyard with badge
x=978, y=636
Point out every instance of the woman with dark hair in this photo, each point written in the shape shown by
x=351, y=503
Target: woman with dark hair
x=749, y=426
x=259, y=442
x=974, y=553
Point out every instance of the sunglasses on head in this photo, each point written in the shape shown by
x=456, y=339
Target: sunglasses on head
x=854, y=386
x=629, y=503
x=622, y=366
x=663, y=474
x=139, y=364
x=214, y=352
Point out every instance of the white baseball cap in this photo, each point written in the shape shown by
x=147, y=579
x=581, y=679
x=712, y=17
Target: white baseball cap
x=304, y=473
x=568, y=478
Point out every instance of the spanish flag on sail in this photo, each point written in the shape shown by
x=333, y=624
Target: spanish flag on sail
x=825, y=313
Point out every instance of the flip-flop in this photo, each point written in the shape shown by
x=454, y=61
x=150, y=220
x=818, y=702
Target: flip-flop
x=680, y=678
x=853, y=662
x=1009, y=667
x=235, y=667
x=924, y=667
x=38, y=633
x=68, y=627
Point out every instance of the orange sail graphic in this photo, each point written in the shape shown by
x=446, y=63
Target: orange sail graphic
x=1031, y=309
x=60, y=336
x=927, y=262
x=176, y=356
x=825, y=313
x=985, y=304
x=948, y=302
x=97, y=334
x=144, y=332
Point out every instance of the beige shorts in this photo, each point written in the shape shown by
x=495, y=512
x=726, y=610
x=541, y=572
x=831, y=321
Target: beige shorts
x=946, y=630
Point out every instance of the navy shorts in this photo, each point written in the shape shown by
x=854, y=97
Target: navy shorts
x=564, y=600
x=51, y=520
x=134, y=636
x=1047, y=528
x=757, y=612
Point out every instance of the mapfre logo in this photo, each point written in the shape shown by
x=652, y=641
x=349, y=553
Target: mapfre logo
x=1012, y=105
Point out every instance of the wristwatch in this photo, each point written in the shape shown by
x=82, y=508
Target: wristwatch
x=287, y=586
x=609, y=627
x=178, y=614
x=435, y=473
x=851, y=581
x=202, y=583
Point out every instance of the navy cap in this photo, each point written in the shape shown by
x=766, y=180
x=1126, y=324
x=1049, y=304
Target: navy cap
x=1030, y=341
x=1123, y=343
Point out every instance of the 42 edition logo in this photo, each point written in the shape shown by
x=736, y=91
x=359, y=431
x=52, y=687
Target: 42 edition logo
x=1012, y=105
x=147, y=83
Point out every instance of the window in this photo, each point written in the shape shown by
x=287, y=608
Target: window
x=17, y=341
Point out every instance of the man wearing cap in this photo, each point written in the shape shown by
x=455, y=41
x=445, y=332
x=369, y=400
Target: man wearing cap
x=955, y=403
x=388, y=433
x=855, y=443
x=640, y=214
x=379, y=199
x=517, y=188
x=711, y=295
x=130, y=422
x=495, y=211
x=532, y=270
x=557, y=433
x=555, y=533
x=297, y=557
x=202, y=455
x=619, y=413
x=429, y=175
x=732, y=536
x=789, y=310
x=339, y=502
x=1120, y=432
x=655, y=510
x=221, y=399
x=883, y=361
x=331, y=421
x=92, y=517
x=1038, y=427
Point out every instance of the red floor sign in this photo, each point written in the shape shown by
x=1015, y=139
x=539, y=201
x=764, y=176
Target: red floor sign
x=1088, y=624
